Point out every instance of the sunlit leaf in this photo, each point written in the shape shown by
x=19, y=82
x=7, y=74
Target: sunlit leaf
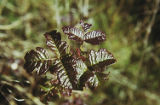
x=37, y=60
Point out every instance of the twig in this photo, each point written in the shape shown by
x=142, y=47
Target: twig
x=149, y=28
x=16, y=23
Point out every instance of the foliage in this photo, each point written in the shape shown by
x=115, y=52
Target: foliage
x=72, y=72
x=93, y=37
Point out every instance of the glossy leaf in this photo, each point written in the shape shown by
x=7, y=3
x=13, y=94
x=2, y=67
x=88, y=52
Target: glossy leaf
x=37, y=60
x=80, y=68
x=62, y=74
x=94, y=37
x=89, y=79
x=63, y=65
x=73, y=33
x=100, y=59
x=53, y=41
x=69, y=70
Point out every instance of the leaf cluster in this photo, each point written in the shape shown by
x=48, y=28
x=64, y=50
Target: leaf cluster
x=74, y=69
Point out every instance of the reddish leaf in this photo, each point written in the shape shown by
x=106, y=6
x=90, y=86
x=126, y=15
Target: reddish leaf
x=100, y=59
x=89, y=79
x=37, y=60
x=53, y=41
x=73, y=33
x=94, y=37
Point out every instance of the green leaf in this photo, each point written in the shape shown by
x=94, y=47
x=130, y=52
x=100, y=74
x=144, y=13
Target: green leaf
x=37, y=60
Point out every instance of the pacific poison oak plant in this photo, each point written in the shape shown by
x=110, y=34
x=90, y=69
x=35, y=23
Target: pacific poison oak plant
x=73, y=70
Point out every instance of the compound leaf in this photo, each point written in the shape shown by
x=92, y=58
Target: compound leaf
x=63, y=62
x=93, y=37
x=71, y=71
x=37, y=60
x=66, y=66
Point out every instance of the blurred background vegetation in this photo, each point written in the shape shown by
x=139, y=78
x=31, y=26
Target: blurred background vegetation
x=133, y=36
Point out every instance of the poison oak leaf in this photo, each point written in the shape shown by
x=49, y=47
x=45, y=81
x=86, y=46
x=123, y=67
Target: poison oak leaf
x=73, y=69
x=62, y=74
x=53, y=41
x=89, y=79
x=37, y=60
x=100, y=59
x=74, y=33
x=93, y=37
x=62, y=61
x=68, y=68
